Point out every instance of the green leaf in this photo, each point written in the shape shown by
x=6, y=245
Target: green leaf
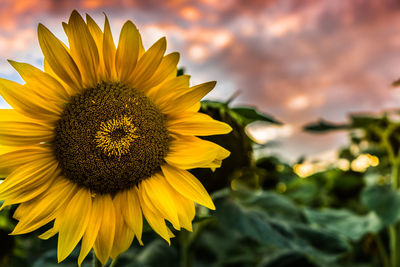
x=157, y=253
x=250, y=223
x=247, y=115
x=304, y=191
x=323, y=245
x=321, y=242
x=212, y=104
x=274, y=204
x=384, y=201
x=324, y=126
x=396, y=83
x=49, y=259
x=286, y=259
x=344, y=222
x=364, y=120
x=180, y=72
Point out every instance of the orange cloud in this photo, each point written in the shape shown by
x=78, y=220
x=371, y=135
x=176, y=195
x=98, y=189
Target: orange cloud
x=190, y=13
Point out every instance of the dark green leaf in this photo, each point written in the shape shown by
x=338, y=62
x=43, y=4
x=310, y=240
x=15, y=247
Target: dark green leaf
x=274, y=204
x=205, y=104
x=286, y=259
x=321, y=241
x=250, y=223
x=384, y=201
x=324, y=126
x=180, y=72
x=396, y=83
x=157, y=253
x=344, y=222
x=49, y=259
x=247, y=115
x=277, y=232
x=365, y=120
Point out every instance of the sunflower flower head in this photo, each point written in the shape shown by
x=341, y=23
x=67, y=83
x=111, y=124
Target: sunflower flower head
x=104, y=136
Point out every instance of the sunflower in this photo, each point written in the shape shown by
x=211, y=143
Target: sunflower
x=104, y=136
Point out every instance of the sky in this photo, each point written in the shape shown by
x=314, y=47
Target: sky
x=297, y=60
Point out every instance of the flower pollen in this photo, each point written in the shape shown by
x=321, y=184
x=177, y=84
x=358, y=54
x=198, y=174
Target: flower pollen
x=116, y=136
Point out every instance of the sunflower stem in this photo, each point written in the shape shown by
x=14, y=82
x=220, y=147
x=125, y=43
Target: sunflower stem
x=187, y=241
x=114, y=262
x=393, y=231
x=382, y=251
x=96, y=262
x=185, y=249
x=394, y=160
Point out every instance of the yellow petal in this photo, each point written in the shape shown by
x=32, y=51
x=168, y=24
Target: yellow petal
x=105, y=238
x=28, y=103
x=143, y=197
x=73, y=224
x=28, y=181
x=7, y=149
x=58, y=183
x=186, y=210
x=13, y=159
x=186, y=184
x=148, y=63
x=131, y=211
x=195, y=108
x=59, y=58
x=166, y=69
x=7, y=115
x=162, y=94
x=170, y=233
x=97, y=35
x=141, y=47
x=72, y=90
x=188, y=152
x=90, y=236
x=83, y=49
x=156, y=222
x=18, y=133
x=123, y=234
x=52, y=231
x=197, y=124
x=41, y=83
x=41, y=211
x=188, y=99
x=109, y=52
x=160, y=197
x=127, y=51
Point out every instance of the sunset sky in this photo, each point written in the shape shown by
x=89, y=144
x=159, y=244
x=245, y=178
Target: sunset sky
x=298, y=60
